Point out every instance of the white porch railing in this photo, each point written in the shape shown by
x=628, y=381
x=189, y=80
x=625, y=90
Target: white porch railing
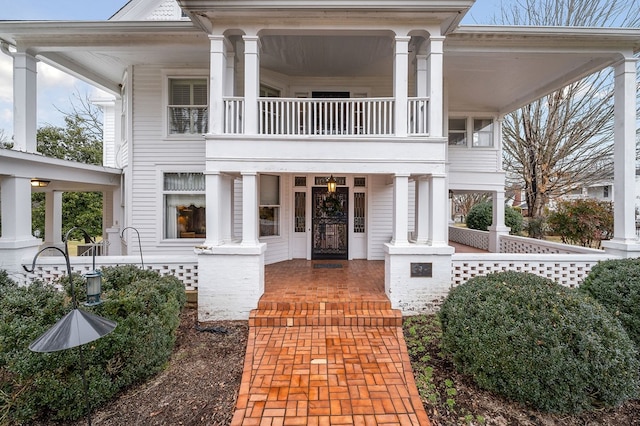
x=345, y=117
x=300, y=116
x=233, y=116
x=417, y=116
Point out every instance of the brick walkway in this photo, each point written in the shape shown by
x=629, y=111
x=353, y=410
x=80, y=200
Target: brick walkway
x=325, y=348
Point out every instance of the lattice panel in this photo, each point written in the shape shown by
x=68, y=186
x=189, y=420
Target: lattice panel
x=187, y=273
x=511, y=246
x=469, y=237
x=569, y=273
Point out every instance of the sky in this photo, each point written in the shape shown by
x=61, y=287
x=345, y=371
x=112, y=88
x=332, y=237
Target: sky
x=57, y=89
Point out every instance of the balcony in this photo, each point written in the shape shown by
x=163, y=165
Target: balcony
x=336, y=117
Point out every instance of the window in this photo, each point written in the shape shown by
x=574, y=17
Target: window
x=269, y=205
x=358, y=212
x=458, y=131
x=300, y=212
x=483, y=132
x=184, y=205
x=605, y=192
x=188, y=100
x=481, y=136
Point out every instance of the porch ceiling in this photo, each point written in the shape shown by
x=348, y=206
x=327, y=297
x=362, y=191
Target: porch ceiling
x=488, y=69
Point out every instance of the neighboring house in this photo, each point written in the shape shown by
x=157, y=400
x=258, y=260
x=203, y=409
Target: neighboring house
x=232, y=116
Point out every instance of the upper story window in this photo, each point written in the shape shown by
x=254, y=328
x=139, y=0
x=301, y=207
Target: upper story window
x=482, y=132
x=471, y=132
x=188, y=106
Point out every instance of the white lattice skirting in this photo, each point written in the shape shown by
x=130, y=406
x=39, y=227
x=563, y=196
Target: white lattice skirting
x=566, y=269
x=185, y=268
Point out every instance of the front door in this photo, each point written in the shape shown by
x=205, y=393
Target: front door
x=330, y=223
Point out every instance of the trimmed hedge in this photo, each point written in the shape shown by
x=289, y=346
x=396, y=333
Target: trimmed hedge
x=49, y=386
x=616, y=285
x=480, y=217
x=538, y=343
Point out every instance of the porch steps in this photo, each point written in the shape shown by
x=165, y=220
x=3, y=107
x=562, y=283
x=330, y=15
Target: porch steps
x=300, y=314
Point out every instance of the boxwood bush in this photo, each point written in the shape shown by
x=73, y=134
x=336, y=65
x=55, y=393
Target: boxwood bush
x=146, y=307
x=616, y=285
x=539, y=343
x=480, y=217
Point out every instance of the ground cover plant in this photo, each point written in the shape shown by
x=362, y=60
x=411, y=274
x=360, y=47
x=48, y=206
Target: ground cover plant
x=147, y=309
x=536, y=342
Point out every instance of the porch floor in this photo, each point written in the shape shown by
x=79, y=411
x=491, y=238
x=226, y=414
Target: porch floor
x=325, y=348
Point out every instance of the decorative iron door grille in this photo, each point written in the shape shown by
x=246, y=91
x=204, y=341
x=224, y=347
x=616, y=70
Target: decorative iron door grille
x=330, y=224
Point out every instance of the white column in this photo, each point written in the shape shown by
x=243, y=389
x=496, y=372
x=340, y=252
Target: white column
x=16, y=209
x=400, y=209
x=438, y=223
x=249, y=209
x=497, y=227
x=226, y=212
x=25, y=95
x=217, y=68
x=400, y=84
x=214, y=207
x=230, y=75
x=422, y=210
x=624, y=122
x=53, y=218
x=251, y=83
x=422, y=75
x=436, y=81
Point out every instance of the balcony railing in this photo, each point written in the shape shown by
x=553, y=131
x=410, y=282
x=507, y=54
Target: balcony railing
x=344, y=117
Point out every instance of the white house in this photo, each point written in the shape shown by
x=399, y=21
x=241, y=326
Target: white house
x=231, y=116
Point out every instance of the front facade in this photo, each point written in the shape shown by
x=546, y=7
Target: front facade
x=233, y=118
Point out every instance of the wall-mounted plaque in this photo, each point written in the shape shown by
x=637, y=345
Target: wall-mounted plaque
x=421, y=270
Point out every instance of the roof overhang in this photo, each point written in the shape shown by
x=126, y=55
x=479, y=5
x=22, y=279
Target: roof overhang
x=100, y=52
x=63, y=175
x=500, y=69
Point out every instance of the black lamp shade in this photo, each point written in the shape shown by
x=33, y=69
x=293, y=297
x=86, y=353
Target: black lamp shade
x=74, y=329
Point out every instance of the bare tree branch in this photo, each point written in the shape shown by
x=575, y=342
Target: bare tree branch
x=565, y=139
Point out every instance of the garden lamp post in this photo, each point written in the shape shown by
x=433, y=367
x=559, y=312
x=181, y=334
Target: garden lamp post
x=74, y=329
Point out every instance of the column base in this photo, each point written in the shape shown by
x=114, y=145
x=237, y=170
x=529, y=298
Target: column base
x=15, y=253
x=417, y=277
x=622, y=248
x=495, y=232
x=230, y=280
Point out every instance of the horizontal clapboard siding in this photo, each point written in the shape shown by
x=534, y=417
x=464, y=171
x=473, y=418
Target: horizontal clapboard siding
x=474, y=160
x=381, y=216
x=151, y=154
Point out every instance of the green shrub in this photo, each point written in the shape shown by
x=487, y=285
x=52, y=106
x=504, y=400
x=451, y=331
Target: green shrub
x=616, y=285
x=539, y=343
x=481, y=216
x=584, y=222
x=146, y=307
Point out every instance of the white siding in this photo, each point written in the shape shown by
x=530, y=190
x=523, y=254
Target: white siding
x=380, y=214
x=474, y=159
x=151, y=153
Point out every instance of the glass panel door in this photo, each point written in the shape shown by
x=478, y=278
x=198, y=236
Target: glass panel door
x=330, y=224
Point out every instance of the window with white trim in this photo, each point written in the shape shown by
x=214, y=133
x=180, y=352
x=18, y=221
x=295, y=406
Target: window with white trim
x=184, y=205
x=269, y=208
x=471, y=132
x=187, y=110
